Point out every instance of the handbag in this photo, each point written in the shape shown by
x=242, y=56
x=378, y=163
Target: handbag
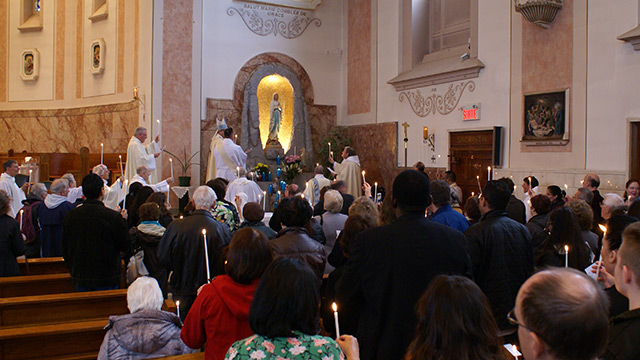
x=136, y=267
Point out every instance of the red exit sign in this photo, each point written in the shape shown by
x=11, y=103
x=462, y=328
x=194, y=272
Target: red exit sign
x=470, y=112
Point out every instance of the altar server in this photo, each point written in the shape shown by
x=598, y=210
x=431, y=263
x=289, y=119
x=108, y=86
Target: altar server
x=138, y=154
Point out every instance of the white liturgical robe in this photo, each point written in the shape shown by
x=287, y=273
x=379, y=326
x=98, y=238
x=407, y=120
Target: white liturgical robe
x=312, y=190
x=227, y=156
x=112, y=195
x=139, y=154
x=527, y=201
x=8, y=184
x=349, y=172
x=244, y=185
x=162, y=186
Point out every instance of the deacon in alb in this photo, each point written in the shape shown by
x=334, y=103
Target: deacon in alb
x=8, y=184
x=138, y=154
x=142, y=176
x=312, y=191
x=349, y=171
x=225, y=155
x=217, y=139
x=244, y=185
x=113, y=194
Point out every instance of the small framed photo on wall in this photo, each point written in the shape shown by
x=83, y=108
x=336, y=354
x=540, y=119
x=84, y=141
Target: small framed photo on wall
x=29, y=64
x=96, y=56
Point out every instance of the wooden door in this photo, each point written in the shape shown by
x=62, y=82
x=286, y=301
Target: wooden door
x=634, y=156
x=470, y=154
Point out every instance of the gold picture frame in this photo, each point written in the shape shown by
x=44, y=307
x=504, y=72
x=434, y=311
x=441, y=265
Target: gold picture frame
x=29, y=64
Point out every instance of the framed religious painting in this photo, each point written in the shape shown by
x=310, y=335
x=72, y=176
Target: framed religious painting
x=29, y=64
x=96, y=56
x=546, y=118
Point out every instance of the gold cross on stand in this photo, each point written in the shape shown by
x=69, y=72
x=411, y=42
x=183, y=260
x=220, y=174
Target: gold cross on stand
x=405, y=125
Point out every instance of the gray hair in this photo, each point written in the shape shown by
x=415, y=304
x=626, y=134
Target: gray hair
x=140, y=169
x=584, y=194
x=319, y=169
x=242, y=172
x=139, y=130
x=613, y=201
x=59, y=186
x=70, y=178
x=39, y=191
x=5, y=202
x=204, y=197
x=100, y=169
x=144, y=294
x=333, y=201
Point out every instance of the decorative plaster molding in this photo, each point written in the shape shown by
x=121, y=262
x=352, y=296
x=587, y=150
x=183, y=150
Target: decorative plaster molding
x=298, y=4
x=633, y=37
x=443, y=104
x=264, y=20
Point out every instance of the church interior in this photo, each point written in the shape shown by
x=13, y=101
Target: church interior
x=482, y=88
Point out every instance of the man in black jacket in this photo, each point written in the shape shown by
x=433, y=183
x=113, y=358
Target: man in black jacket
x=390, y=267
x=181, y=249
x=92, y=238
x=501, y=252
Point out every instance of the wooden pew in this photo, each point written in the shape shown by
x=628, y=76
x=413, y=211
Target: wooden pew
x=41, y=266
x=194, y=356
x=30, y=285
x=57, y=308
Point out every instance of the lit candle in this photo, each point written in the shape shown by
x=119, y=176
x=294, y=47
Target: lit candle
x=375, y=193
x=178, y=307
x=238, y=170
x=181, y=217
x=121, y=171
x=488, y=173
x=566, y=256
x=30, y=177
x=335, y=317
x=364, y=180
x=171, y=162
x=264, y=200
x=566, y=187
x=124, y=202
x=206, y=253
x=101, y=153
x=530, y=185
x=21, y=219
x=331, y=153
x=135, y=92
x=236, y=139
x=478, y=180
x=473, y=194
x=515, y=350
x=604, y=230
x=330, y=149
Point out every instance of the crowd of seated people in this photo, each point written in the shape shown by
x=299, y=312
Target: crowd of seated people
x=423, y=274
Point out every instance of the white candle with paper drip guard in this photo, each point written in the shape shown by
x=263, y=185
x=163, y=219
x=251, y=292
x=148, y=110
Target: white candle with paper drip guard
x=178, y=308
x=121, y=168
x=335, y=317
x=206, y=253
x=21, y=219
x=375, y=193
x=101, y=153
x=566, y=256
x=264, y=200
x=330, y=150
x=171, y=162
x=488, y=173
x=604, y=230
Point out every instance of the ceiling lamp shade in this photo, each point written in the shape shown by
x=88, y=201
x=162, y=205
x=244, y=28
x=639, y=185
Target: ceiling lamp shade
x=539, y=12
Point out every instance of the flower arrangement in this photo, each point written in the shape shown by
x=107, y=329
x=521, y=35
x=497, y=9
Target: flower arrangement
x=292, y=159
x=292, y=168
x=261, y=168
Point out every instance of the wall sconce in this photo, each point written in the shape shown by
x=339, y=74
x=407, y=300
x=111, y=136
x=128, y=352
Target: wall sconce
x=429, y=139
x=140, y=98
x=539, y=12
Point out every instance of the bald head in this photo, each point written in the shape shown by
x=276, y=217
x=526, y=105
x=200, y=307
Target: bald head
x=591, y=181
x=562, y=314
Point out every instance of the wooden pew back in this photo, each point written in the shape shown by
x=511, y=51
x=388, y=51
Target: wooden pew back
x=41, y=266
x=30, y=285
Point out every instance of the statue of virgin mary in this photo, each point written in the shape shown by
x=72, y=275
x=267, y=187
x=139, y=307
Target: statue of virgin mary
x=275, y=111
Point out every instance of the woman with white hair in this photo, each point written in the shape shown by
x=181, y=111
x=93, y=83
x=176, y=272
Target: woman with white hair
x=11, y=244
x=332, y=222
x=148, y=332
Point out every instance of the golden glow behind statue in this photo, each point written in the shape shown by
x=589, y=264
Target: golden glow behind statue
x=269, y=85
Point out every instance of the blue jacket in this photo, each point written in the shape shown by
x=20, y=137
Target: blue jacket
x=447, y=216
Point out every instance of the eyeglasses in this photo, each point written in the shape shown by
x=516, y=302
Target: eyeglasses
x=511, y=317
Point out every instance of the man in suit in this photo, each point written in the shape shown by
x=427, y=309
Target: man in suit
x=390, y=267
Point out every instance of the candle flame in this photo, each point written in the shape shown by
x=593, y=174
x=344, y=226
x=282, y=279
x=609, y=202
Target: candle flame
x=181, y=217
x=603, y=228
x=158, y=121
x=334, y=307
x=204, y=231
x=472, y=194
x=477, y=177
x=101, y=144
x=178, y=303
x=375, y=183
x=566, y=248
x=566, y=187
x=489, y=168
x=362, y=172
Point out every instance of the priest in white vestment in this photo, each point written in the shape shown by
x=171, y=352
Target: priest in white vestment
x=313, y=186
x=244, y=185
x=226, y=156
x=112, y=195
x=75, y=192
x=138, y=154
x=8, y=184
x=142, y=176
x=217, y=138
x=531, y=189
x=349, y=171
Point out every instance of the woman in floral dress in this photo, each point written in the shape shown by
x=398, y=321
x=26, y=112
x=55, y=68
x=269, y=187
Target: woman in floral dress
x=284, y=316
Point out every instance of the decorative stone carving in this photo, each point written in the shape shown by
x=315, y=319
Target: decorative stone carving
x=264, y=20
x=539, y=12
x=443, y=104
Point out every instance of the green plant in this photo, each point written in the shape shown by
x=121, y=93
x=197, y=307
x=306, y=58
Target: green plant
x=339, y=139
x=186, y=164
x=291, y=170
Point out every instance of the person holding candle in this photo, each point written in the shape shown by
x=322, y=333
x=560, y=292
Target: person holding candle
x=631, y=191
x=467, y=330
x=285, y=330
x=224, y=211
x=561, y=314
x=592, y=182
x=556, y=196
x=584, y=215
x=8, y=184
x=564, y=231
x=394, y=264
x=139, y=154
x=220, y=315
x=148, y=331
x=50, y=217
x=349, y=171
x=244, y=185
x=30, y=225
x=441, y=208
x=332, y=221
x=313, y=186
x=225, y=155
x=515, y=208
x=537, y=225
x=181, y=249
x=530, y=188
x=11, y=243
x=112, y=194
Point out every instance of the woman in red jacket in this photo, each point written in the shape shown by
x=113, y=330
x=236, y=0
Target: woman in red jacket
x=220, y=315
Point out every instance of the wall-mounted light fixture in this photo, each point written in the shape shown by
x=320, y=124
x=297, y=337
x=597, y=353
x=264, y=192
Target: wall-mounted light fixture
x=429, y=139
x=138, y=97
x=539, y=12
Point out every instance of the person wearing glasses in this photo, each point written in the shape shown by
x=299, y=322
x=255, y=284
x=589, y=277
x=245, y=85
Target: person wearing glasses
x=561, y=314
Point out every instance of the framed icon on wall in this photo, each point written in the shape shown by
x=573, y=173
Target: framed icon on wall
x=29, y=64
x=97, y=56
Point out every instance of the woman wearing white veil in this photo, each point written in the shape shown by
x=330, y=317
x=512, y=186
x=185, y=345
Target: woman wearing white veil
x=275, y=111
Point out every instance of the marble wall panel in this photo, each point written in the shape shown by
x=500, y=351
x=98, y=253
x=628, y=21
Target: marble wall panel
x=67, y=130
x=377, y=148
x=322, y=119
x=359, y=57
x=59, y=48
